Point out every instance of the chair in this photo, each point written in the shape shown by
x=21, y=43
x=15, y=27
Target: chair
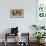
x=14, y=32
x=7, y=35
x=26, y=41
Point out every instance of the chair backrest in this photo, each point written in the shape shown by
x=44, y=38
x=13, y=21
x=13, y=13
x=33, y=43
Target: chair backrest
x=14, y=30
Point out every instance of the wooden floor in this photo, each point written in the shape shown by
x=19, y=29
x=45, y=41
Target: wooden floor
x=13, y=44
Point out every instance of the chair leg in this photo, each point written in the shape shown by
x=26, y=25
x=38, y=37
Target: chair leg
x=5, y=43
x=5, y=40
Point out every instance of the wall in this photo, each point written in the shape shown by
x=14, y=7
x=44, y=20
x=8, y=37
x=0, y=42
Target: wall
x=24, y=24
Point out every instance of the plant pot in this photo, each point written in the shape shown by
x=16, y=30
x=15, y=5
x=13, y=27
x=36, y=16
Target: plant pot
x=40, y=41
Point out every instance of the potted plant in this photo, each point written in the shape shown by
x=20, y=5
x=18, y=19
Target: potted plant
x=39, y=35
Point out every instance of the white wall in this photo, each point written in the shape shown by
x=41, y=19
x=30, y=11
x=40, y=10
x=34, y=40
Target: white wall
x=24, y=24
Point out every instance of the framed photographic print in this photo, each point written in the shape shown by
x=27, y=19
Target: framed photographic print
x=17, y=13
